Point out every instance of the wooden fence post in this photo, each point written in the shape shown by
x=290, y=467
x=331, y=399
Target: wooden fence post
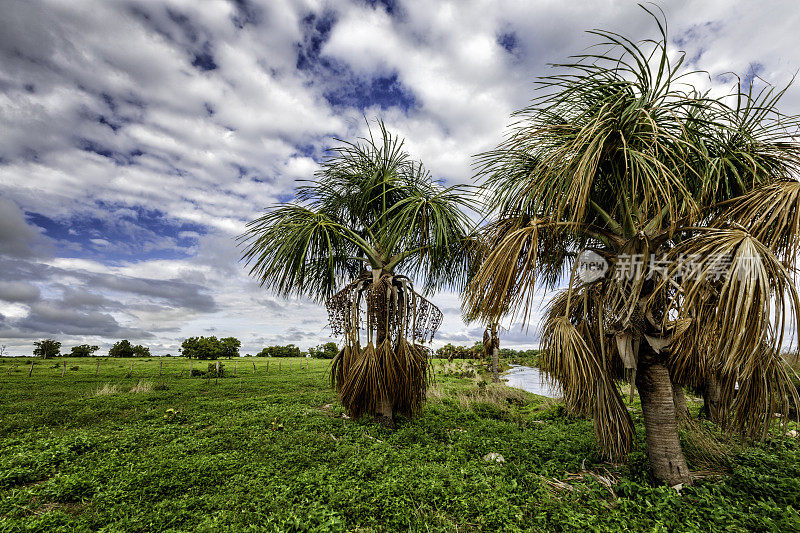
x=254, y=367
x=96, y=370
x=131, y=367
x=31, y=370
x=160, y=364
x=64, y=369
x=279, y=365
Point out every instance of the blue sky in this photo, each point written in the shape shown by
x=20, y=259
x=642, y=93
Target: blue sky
x=138, y=137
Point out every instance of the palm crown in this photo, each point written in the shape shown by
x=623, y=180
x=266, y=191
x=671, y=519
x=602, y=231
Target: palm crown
x=370, y=206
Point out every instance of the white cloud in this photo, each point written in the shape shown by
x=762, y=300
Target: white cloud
x=106, y=117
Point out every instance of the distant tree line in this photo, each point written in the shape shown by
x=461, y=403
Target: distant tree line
x=449, y=351
x=193, y=348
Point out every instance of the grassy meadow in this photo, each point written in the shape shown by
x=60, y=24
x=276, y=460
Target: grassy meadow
x=271, y=450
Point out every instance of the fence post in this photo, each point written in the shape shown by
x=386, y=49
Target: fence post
x=96, y=370
x=254, y=367
x=64, y=369
x=31, y=370
x=279, y=365
x=131, y=368
x=160, y=364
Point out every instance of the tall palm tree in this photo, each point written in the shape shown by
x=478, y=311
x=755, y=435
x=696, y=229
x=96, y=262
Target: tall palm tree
x=371, y=221
x=693, y=202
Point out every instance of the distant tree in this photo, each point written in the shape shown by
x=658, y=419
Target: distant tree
x=141, y=351
x=122, y=348
x=290, y=350
x=190, y=347
x=47, y=348
x=324, y=351
x=230, y=347
x=202, y=348
x=446, y=352
x=83, y=350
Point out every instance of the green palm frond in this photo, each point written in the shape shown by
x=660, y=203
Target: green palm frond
x=370, y=205
x=295, y=250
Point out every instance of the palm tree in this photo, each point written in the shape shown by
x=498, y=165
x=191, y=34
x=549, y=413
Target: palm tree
x=373, y=220
x=693, y=202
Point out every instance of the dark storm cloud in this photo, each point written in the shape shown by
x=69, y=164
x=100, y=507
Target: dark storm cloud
x=18, y=291
x=48, y=318
x=176, y=292
x=17, y=237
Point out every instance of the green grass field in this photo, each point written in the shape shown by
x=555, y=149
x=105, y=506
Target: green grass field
x=270, y=450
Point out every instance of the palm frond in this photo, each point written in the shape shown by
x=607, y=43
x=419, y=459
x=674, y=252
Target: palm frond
x=752, y=292
x=293, y=249
x=765, y=388
x=519, y=252
x=588, y=388
x=772, y=215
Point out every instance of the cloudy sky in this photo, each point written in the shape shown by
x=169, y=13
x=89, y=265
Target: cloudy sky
x=138, y=137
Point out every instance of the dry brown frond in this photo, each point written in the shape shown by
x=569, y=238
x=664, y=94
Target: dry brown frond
x=588, y=388
x=772, y=215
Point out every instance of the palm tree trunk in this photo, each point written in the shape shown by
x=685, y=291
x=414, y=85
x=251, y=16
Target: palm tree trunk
x=712, y=399
x=681, y=409
x=495, y=355
x=661, y=428
x=385, y=414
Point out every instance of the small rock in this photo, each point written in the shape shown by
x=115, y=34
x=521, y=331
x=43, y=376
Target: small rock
x=492, y=456
x=792, y=433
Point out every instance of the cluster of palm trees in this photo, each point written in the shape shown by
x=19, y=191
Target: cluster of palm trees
x=691, y=200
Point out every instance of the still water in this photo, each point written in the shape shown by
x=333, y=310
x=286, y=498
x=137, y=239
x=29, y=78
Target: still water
x=529, y=379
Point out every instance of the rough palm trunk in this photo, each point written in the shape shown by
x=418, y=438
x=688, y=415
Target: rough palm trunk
x=661, y=428
x=385, y=414
x=712, y=399
x=681, y=409
x=495, y=355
